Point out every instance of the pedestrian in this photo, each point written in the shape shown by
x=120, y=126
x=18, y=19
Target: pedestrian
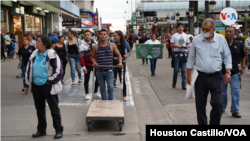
x=207, y=53
x=130, y=40
x=247, y=46
x=105, y=50
x=170, y=52
x=56, y=34
x=142, y=41
x=8, y=43
x=43, y=75
x=53, y=39
x=13, y=45
x=85, y=60
x=3, y=57
x=179, y=42
x=153, y=40
x=125, y=51
x=24, y=53
x=72, y=46
x=238, y=34
x=238, y=55
x=30, y=39
x=35, y=37
x=172, y=33
x=111, y=37
x=60, y=49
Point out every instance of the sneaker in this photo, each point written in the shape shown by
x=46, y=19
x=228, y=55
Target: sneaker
x=22, y=90
x=125, y=99
x=80, y=81
x=115, y=85
x=174, y=85
x=97, y=95
x=73, y=83
x=248, y=71
x=223, y=110
x=184, y=87
x=87, y=96
x=14, y=57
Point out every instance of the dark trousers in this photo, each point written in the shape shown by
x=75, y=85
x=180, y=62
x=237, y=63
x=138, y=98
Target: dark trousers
x=86, y=80
x=170, y=52
x=42, y=94
x=2, y=53
x=143, y=61
x=131, y=45
x=124, y=72
x=203, y=85
x=64, y=63
x=23, y=67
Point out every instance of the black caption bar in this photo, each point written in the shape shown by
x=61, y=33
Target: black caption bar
x=163, y=132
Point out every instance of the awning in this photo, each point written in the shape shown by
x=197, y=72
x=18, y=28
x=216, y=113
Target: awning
x=67, y=15
x=184, y=5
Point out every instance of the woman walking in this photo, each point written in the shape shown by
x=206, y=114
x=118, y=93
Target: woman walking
x=153, y=61
x=24, y=53
x=168, y=46
x=2, y=48
x=31, y=41
x=125, y=51
x=13, y=42
x=61, y=52
x=42, y=79
x=72, y=46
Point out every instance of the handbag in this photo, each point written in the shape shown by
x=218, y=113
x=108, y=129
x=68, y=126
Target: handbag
x=6, y=42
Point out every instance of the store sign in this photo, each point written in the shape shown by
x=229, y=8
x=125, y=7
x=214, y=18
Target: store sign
x=19, y=10
x=84, y=14
x=69, y=23
x=96, y=20
x=228, y=16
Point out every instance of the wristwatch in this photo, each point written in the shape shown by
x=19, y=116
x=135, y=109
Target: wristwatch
x=229, y=72
x=243, y=67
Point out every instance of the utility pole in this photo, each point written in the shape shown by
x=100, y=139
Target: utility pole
x=206, y=9
x=191, y=19
x=228, y=3
x=196, y=15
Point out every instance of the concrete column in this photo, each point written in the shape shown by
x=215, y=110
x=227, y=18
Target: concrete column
x=57, y=21
x=191, y=26
x=206, y=9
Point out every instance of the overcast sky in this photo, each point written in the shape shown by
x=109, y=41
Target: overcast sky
x=113, y=11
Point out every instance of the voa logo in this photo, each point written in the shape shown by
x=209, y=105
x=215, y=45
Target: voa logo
x=228, y=16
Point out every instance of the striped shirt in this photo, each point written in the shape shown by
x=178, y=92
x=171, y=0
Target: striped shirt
x=104, y=56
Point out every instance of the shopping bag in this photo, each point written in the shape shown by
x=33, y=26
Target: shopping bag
x=194, y=76
x=190, y=92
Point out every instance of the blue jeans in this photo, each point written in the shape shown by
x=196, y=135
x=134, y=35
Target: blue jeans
x=74, y=63
x=23, y=67
x=248, y=62
x=107, y=76
x=235, y=92
x=13, y=51
x=180, y=63
x=153, y=65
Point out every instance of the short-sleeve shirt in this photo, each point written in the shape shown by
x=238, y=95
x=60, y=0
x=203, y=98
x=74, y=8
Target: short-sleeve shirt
x=151, y=42
x=237, y=52
x=25, y=53
x=33, y=43
x=181, y=40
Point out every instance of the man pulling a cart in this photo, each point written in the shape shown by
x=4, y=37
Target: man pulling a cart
x=104, y=53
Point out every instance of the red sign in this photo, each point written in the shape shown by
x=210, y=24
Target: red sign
x=96, y=20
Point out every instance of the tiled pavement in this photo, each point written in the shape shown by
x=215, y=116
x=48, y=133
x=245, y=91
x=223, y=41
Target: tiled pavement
x=76, y=95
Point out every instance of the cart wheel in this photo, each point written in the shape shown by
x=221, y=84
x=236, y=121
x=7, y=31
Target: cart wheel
x=120, y=126
x=17, y=76
x=89, y=124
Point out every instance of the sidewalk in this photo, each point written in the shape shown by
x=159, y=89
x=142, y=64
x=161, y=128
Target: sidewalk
x=183, y=111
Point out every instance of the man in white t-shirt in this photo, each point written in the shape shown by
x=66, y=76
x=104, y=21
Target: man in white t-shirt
x=179, y=42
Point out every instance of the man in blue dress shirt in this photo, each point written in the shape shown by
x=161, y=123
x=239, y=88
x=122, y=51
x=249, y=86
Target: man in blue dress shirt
x=209, y=50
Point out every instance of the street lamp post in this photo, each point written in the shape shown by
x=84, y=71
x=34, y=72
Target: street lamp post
x=177, y=17
x=168, y=24
x=246, y=15
x=155, y=26
x=212, y=8
x=191, y=19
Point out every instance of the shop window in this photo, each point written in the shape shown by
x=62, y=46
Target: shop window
x=33, y=24
x=4, y=21
x=17, y=21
